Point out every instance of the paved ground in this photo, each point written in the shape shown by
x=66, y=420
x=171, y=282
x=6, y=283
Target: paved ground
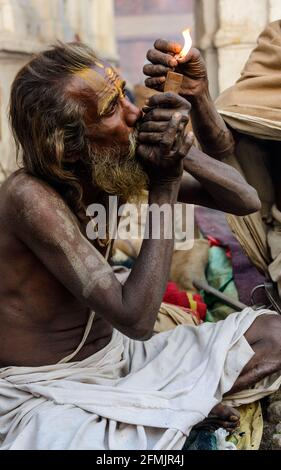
x=272, y=422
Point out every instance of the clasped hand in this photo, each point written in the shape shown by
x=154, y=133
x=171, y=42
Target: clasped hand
x=163, y=142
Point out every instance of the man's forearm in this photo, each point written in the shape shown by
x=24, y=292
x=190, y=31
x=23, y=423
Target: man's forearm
x=149, y=275
x=210, y=129
x=224, y=185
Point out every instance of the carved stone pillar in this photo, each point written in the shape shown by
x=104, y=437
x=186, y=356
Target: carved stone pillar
x=240, y=25
x=105, y=30
x=274, y=10
x=227, y=32
x=93, y=22
x=206, y=20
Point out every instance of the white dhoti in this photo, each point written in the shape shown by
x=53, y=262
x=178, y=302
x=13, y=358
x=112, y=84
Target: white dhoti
x=131, y=394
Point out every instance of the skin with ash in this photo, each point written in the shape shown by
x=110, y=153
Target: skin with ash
x=70, y=117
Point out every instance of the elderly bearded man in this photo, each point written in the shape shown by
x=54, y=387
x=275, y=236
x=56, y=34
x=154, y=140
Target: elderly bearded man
x=80, y=368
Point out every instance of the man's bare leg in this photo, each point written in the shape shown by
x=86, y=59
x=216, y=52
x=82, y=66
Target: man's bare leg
x=264, y=337
x=221, y=416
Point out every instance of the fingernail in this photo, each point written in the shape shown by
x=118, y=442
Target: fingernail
x=177, y=115
x=173, y=63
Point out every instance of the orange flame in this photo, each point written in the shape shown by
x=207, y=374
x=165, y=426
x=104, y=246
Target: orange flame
x=187, y=43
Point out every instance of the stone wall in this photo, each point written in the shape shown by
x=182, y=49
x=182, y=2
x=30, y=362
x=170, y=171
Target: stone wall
x=227, y=32
x=28, y=26
x=140, y=22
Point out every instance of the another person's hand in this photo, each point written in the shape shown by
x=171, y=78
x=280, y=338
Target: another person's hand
x=163, y=142
x=165, y=57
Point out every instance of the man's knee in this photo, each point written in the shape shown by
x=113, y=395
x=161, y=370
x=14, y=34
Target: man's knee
x=264, y=336
x=266, y=331
x=271, y=333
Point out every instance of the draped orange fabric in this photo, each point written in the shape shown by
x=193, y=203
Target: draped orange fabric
x=253, y=104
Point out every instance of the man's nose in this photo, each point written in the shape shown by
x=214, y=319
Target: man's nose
x=132, y=113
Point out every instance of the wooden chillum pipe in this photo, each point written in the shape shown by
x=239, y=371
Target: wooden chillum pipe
x=173, y=82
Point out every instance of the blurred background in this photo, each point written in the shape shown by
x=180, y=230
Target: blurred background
x=122, y=31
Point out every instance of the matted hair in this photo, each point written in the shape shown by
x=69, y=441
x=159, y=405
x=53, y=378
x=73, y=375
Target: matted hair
x=47, y=123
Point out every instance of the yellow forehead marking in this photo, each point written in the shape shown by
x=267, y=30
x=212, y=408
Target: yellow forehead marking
x=105, y=87
x=110, y=73
x=93, y=78
x=98, y=64
x=115, y=80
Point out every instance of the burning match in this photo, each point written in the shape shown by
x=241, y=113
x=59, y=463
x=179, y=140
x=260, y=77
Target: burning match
x=187, y=44
x=174, y=80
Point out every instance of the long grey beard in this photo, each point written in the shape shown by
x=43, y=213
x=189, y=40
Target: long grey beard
x=118, y=172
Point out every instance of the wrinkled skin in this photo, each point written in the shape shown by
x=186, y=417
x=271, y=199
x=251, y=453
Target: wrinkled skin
x=164, y=57
x=43, y=249
x=163, y=128
x=208, y=126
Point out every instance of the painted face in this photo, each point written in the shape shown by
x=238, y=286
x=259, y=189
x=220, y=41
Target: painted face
x=111, y=117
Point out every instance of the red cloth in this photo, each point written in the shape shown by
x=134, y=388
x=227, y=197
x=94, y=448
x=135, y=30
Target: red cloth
x=175, y=296
x=215, y=242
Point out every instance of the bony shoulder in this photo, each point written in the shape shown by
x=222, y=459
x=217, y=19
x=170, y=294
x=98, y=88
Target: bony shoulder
x=24, y=190
x=37, y=212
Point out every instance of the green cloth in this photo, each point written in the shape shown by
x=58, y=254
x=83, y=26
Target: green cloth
x=219, y=275
x=201, y=440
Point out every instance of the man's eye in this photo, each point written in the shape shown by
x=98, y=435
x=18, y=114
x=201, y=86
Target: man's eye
x=111, y=108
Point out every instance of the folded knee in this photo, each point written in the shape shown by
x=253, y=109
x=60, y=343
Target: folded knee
x=272, y=333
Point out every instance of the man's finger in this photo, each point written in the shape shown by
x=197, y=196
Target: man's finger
x=193, y=54
x=186, y=144
x=168, y=138
x=156, y=83
x=155, y=70
x=169, y=100
x=159, y=126
x=151, y=126
x=150, y=137
x=157, y=114
x=146, y=152
x=179, y=140
x=163, y=114
x=167, y=46
x=157, y=57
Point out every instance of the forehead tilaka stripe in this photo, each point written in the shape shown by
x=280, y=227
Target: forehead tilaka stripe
x=106, y=87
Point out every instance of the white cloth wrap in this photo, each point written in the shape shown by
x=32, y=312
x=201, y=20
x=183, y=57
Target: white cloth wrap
x=129, y=395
